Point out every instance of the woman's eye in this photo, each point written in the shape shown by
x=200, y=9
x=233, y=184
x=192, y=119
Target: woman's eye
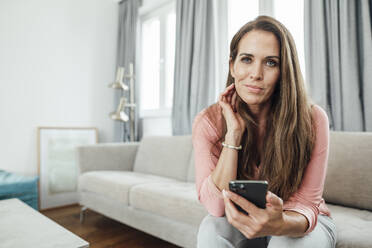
x=271, y=63
x=246, y=59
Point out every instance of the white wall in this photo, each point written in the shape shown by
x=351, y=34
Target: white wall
x=56, y=60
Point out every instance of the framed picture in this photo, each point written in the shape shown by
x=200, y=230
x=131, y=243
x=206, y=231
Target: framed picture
x=57, y=163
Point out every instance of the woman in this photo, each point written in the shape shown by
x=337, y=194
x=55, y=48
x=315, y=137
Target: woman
x=263, y=128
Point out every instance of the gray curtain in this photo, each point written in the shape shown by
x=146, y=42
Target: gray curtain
x=338, y=49
x=194, y=75
x=128, y=15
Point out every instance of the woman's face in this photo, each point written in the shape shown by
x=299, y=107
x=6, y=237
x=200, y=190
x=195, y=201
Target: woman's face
x=256, y=68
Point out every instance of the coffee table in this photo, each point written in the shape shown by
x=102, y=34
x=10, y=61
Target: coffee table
x=22, y=226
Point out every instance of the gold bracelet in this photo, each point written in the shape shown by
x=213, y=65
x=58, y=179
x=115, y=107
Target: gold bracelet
x=232, y=147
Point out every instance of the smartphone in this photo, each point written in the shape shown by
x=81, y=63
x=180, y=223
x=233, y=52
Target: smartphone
x=253, y=191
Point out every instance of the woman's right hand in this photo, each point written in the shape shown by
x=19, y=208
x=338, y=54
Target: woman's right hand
x=234, y=122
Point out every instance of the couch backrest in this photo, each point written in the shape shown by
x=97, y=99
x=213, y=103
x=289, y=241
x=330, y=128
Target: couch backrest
x=191, y=170
x=349, y=175
x=167, y=156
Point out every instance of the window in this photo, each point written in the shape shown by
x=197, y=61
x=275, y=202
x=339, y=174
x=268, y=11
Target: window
x=157, y=53
x=288, y=12
x=241, y=12
x=291, y=14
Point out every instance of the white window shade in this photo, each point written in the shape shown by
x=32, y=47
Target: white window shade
x=288, y=12
x=157, y=52
x=241, y=12
x=291, y=14
x=170, y=53
x=150, y=67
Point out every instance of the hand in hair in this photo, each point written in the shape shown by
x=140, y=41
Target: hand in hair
x=234, y=122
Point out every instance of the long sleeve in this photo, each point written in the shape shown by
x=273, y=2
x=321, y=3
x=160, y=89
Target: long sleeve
x=204, y=137
x=307, y=199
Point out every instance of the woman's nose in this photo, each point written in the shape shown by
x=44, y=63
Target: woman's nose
x=256, y=72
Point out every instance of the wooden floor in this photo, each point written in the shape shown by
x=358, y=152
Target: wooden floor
x=102, y=232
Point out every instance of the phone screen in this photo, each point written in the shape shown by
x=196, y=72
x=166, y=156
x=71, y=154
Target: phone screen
x=252, y=190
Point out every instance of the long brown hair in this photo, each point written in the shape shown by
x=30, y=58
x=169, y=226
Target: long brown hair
x=289, y=138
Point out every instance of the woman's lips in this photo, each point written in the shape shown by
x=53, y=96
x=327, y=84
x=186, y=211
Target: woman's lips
x=253, y=89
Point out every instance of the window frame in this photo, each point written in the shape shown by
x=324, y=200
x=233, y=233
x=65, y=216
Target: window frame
x=159, y=9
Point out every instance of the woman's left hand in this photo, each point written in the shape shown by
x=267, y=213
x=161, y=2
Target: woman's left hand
x=259, y=222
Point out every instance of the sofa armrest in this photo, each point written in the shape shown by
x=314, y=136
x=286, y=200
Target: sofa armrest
x=107, y=156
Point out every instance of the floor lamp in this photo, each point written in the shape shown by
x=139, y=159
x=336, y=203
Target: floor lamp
x=120, y=114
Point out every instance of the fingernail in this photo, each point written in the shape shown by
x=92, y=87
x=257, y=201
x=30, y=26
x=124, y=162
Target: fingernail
x=225, y=194
x=270, y=194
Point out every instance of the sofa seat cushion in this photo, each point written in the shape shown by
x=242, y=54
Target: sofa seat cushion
x=354, y=227
x=115, y=184
x=175, y=200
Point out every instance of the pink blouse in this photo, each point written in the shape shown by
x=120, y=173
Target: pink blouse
x=307, y=200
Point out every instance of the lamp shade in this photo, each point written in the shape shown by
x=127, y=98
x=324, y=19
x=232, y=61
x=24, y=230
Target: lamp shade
x=118, y=84
x=121, y=116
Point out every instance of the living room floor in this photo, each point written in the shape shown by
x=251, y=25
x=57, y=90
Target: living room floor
x=103, y=232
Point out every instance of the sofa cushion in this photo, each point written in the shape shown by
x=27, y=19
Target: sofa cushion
x=115, y=184
x=354, y=227
x=164, y=156
x=191, y=170
x=175, y=200
x=349, y=175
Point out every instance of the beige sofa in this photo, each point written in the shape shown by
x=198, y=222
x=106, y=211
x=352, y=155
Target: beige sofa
x=150, y=186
